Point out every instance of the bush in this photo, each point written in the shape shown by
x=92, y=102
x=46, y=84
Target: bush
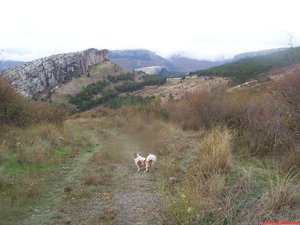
x=15, y=110
x=85, y=97
x=12, y=104
x=199, y=109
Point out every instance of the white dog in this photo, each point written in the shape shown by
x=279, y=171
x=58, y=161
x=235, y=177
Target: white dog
x=141, y=161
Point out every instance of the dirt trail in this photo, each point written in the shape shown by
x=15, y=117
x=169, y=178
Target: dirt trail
x=130, y=197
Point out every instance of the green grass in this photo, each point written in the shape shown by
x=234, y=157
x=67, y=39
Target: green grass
x=25, y=180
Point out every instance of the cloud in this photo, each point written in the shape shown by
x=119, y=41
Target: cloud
x=200, y=28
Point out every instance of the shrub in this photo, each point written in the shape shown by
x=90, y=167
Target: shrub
x=16, y=110
x=199, y=109
x=12, y=106
x=262, y=128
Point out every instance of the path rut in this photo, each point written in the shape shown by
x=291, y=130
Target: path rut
x=131, y=197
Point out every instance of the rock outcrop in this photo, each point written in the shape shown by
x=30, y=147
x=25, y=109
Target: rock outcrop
x=39, y=75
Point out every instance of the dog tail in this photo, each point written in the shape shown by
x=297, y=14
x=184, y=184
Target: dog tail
x=135, y=155
x=153, y=158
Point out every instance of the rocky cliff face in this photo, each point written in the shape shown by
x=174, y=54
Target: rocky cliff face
x=36, y=76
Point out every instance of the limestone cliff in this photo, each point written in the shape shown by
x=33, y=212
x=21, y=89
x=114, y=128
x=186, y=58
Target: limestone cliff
x=35, y=77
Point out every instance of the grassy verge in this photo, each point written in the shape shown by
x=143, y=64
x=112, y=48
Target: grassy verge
x=209, y=183
x=31, y=159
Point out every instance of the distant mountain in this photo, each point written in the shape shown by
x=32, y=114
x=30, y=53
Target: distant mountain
x=249, y=67
x=134, y=59
x=5, y=64
x=176, y=65
x=184, y=64
x=256, y=53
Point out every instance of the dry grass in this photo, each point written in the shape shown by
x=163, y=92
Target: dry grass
x=291, y=163
x=281, y=192
x=199, y=194
x=99, y=170
x=145, y=125
x=214, y=153
x=100, y=176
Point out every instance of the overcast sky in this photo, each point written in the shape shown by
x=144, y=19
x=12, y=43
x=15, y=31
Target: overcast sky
x=203, y=29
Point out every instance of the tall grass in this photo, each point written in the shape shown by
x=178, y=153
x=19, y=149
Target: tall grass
x=215, y=186
x=281, y=192
x=199, y=194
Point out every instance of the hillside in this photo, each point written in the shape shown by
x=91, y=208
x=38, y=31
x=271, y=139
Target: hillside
x=186, y=65
x=249, y=68
x=104, y=83
x=80, y=80
x=177, y=88
x=95, y=73
x=246, y=55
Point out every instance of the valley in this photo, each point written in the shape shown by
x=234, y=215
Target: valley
x=228, y=151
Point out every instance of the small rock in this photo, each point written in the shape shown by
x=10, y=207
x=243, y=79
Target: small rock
x=67, y=220
x=172, y=180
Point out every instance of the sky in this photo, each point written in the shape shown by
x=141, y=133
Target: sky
x=202, y=29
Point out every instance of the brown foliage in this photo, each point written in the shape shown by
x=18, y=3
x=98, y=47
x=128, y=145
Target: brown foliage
x=16, y=110
x=199, y=109
x=11, y=105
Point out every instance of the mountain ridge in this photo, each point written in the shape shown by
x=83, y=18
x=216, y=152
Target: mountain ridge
x=36, y=76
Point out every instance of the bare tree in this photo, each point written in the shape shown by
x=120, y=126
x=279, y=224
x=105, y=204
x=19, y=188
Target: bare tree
x=290, y=42
x=290, y=39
